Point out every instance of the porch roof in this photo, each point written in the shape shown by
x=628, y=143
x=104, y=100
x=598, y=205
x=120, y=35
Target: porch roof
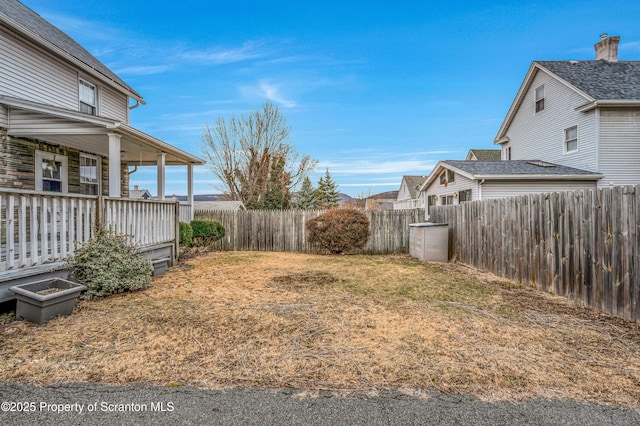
x=88, y=133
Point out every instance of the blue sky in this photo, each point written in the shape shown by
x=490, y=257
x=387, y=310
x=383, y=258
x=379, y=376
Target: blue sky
x=372, y=90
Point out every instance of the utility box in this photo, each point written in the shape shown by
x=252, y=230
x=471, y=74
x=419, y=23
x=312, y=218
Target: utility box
x=429, y=241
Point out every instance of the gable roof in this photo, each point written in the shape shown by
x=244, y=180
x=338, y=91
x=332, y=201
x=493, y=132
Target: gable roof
x=511, y=169
x=24, y=20
x=413, y=183
x=601, y=80
x=601, y=83
x=484, y=154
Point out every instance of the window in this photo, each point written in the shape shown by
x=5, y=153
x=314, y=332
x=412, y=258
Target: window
x=540, y=98
x=508, y=153
x=89, y=174
x=447, y=177
x=51, y=172
x=431, y=200
x=571, y=139
x=87, y=98
x=464, y=196
x=447, y=200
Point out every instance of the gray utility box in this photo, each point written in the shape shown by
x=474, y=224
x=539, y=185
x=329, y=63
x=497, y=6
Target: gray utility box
x=429, y=241
x=42, y=300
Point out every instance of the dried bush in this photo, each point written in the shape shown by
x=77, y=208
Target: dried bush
x=206, y=232
x=339, y=230
x=108, y=264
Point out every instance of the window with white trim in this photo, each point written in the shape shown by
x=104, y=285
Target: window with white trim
x=447, y=200
x=88, y=97
x=447, y=177
x=464, y=196
x=540, y=95
x=571, y=139
x=51, y=172
x=89, y=174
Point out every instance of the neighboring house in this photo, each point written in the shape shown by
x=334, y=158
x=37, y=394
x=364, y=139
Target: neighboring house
x=65, y=148
x=457, y=181
x=381, y=201
x=220, y=205
x=484, y=155
x=409, y=195
x=582, y=114
x=139, y=194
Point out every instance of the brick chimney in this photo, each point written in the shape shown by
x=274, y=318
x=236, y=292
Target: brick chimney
x=607, y=48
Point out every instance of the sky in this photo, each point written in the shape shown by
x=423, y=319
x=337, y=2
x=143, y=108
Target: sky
x=371, y=90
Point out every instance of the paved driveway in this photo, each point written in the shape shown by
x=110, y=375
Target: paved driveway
x=94, y=404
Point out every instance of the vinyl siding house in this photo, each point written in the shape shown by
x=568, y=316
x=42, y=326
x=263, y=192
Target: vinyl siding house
x=459, y=181
x=409, y=195
x=66, y=146
x=581, y=114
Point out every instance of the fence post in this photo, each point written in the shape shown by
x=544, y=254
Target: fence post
x=176, y=241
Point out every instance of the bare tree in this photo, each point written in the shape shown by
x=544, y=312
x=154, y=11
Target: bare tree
x=246, y=151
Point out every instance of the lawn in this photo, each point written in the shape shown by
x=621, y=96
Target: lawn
x=334, y=322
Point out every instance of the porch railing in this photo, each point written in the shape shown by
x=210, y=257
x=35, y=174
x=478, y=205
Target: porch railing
x=38, y=228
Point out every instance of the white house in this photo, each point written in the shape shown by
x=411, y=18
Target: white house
x=581, y=114
x=409, y=195
x=66, y=145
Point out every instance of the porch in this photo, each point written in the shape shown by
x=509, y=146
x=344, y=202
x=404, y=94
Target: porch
x=40, y=230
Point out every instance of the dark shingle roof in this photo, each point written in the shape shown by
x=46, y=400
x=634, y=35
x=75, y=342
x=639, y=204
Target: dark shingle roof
x=515, y=167
x=601, y=80
x=33, y=22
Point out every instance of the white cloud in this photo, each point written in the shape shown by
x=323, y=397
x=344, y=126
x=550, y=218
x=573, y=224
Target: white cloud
x=267, y=90
x=220, y=56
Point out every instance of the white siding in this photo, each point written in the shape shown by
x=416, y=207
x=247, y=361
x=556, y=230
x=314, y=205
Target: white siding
x=28, y=73
x=113, y=104
x=503, y=189
x=540, y=136
x=461, y=183
x=403, y=193
x=619, y=147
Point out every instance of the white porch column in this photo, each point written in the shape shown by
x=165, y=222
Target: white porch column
x=190, y=189
x=114, y=165
x=161, y=180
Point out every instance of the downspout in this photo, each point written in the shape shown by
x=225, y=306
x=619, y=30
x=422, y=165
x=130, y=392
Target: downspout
x=480, y=189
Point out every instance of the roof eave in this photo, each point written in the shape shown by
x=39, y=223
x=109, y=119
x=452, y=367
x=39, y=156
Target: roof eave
x=611, y=103
x=595, y=176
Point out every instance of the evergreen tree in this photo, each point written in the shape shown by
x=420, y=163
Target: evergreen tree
x=306, y=197
x=327, y=195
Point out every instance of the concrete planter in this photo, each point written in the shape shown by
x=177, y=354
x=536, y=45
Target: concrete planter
x=42, y=300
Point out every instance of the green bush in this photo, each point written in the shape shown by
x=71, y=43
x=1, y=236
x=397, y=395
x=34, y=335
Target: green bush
x=186, y=234
x=206, y=232
x=339, y=230
x=108, y=264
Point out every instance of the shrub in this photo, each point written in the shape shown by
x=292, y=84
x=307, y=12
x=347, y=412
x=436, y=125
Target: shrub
x=108, y=264
x=339, y=230
x=186, y=234
x=206, y=232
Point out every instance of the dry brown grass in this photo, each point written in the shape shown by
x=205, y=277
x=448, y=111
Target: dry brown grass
x=334, y=322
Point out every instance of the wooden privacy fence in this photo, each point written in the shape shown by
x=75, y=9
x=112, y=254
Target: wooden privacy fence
x=583, y=245
x=285, y=230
